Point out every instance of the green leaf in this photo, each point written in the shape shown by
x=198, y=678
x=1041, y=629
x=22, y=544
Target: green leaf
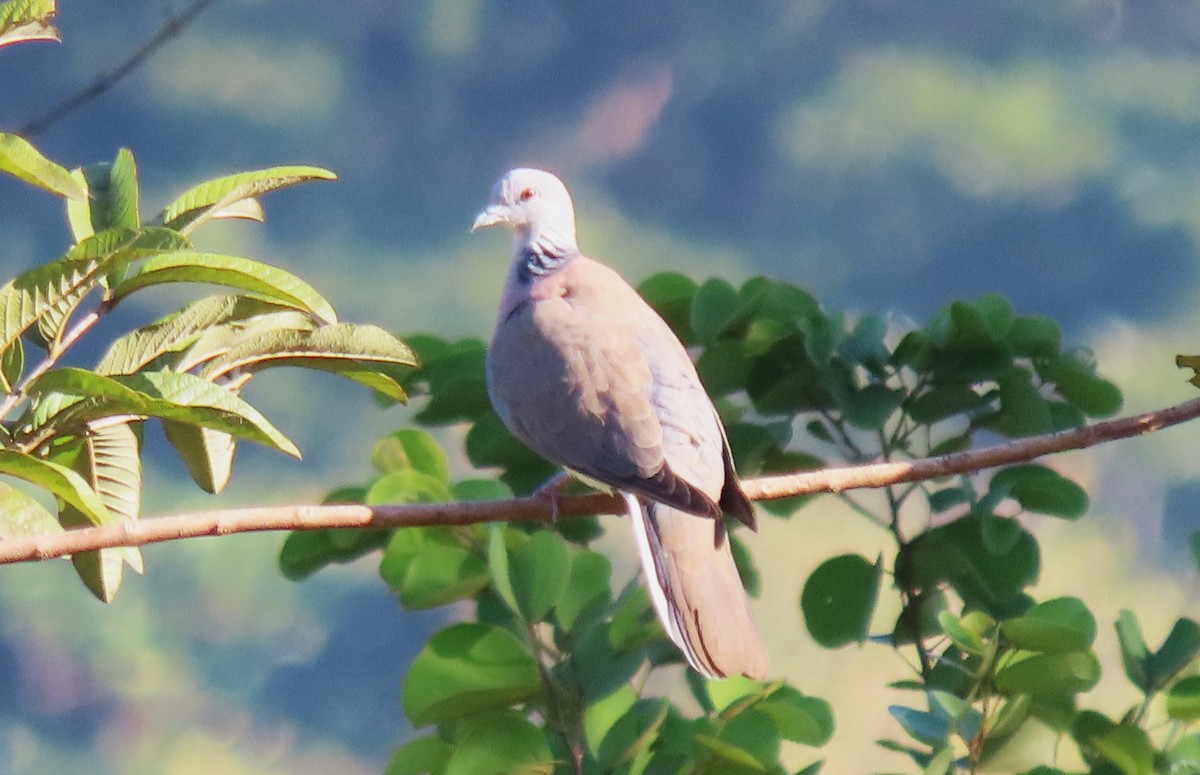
x=1183, y=700
x=304, y=553
x=944, y=401
x=270, y=282
x=1055, y=626
x=1034, y=336
x=1180, y=648
x=59, y=481
x=167, y=395
x=671, y=294
x=714, y=307
x=1127, y=747
x=1050, y=674
x=958, y=553
x=12, y=365
x=1041, y=489
x=500, y=742
x=21, y=160
x=932, y=729
x=329, y=347
x=752, y=731
x=871, y=406
x=480, y=490
x=724, y=692
x=588, y=588
x=138, y=348
x=219, y=339
x=430, y=567
x=114, y=194
x=21, y=515
x=538, y=569
x=628, y=741
x=207, y=454
x=1074, y=377
x=1135, y=656
x=798, y=717
x=407, y=486
x=201, y=201
x=411, y=449
x=966, y=635
x=27, y=20
x=115, y=462
x=467, y=668
x=419, y=756
x=602, y=715
x=732, y=759
x=839, y=598
x=1023, y=410
x=57, y=288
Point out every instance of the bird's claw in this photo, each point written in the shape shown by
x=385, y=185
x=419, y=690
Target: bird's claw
x=550, y=490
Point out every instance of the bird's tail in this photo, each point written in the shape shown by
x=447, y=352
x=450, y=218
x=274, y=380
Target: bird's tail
x=697, y=591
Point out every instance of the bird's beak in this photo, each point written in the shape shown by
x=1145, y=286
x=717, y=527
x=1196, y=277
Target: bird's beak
x=493, y=215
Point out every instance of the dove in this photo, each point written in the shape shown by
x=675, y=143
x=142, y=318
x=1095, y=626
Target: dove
x=586, y=374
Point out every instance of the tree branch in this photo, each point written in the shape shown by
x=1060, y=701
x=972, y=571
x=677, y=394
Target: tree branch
x=110, y=78
x=538, y=509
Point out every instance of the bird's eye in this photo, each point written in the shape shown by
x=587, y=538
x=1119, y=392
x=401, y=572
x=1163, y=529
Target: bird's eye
x=527, y=194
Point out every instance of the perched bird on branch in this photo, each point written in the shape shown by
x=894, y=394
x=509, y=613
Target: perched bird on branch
x=587, y=375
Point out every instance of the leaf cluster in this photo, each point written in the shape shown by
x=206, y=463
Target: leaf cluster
x=559, y=658
x=76, y=433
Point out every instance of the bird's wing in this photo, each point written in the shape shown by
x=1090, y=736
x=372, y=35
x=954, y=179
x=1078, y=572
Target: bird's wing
x=590, y=377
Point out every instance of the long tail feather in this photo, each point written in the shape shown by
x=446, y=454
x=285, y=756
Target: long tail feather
x=696, y=591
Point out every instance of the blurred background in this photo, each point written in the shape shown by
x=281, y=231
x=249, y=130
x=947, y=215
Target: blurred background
x=889, y=156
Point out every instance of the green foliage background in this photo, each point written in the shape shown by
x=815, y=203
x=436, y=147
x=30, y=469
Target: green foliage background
x=884, y=156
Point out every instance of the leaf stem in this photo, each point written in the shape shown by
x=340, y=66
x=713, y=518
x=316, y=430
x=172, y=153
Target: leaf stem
x=81, y=327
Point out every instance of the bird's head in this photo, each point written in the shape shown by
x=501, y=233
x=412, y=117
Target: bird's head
x=536, y=206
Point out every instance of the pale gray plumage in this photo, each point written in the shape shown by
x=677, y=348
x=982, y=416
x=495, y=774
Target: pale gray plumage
x=586, y=374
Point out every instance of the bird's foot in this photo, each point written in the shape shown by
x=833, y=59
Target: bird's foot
x=551, y=489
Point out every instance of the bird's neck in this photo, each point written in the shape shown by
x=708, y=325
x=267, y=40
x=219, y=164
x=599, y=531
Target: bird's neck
x=541, y=253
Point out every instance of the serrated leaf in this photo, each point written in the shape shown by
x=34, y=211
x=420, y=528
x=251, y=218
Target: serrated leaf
x=20, y=159
x=215, y=195
x=55, y=289
x=167, y=395
x=270, y=282
x=356, y=344
x=207, y=454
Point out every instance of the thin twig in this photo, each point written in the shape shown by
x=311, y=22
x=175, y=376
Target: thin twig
x=309, y=517
x=171, y=28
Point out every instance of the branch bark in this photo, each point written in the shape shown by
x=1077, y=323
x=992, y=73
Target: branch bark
x=537, y=509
